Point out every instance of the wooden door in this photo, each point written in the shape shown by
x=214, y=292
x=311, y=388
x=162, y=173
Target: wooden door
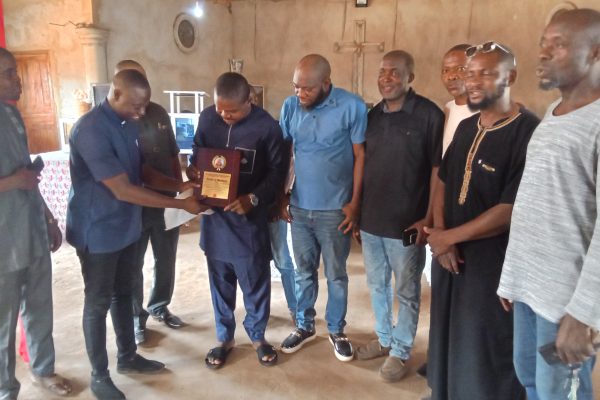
x=37, y=101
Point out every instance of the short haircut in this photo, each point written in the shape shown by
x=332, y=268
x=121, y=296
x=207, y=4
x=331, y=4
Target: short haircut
x=130, y=78
x=127, y=64
x=403, y=56
x=585, y=18
x=232, y=86
x=459, y=47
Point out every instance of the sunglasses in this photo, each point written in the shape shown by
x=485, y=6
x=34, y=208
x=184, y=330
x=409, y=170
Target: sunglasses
x=485, y=48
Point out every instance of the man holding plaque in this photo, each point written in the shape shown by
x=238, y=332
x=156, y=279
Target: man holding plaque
x=238, y=150
x=104, y=221
x=327, y=127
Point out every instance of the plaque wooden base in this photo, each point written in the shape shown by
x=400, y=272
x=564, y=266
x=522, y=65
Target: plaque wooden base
x=219, y=175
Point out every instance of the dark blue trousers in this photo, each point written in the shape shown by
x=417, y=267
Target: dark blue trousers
x=254, y=278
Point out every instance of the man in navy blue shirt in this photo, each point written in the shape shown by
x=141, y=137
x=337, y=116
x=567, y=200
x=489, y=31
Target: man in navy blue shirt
x=104, y=221
x=235, y=238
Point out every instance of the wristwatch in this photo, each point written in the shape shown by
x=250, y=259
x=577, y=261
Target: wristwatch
x=253, y=199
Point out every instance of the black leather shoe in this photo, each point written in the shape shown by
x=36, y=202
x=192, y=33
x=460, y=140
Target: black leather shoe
x=171, y=320
x=342, y=348
x=104, y=389
x=139, y=365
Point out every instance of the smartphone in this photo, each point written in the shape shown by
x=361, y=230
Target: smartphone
x=409, y=237
x=550, y=355
x=37, y=165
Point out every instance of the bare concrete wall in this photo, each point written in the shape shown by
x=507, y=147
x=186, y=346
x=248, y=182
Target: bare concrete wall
x=28, y=28
x=271, y=35
x=143, y=30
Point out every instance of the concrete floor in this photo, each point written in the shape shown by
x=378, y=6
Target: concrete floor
x=311, y=373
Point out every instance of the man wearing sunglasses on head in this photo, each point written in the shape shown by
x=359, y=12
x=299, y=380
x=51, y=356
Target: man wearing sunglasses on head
x=479, y=174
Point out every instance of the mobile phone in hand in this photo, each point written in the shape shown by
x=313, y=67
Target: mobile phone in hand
x=37, y=165
x=409, y=237
x=550, y=355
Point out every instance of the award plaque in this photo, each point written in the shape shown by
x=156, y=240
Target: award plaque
x=219, y=174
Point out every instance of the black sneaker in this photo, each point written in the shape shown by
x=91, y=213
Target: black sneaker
x=104, y=389
x=139, y=365
x=342, y=348
x=296, y=340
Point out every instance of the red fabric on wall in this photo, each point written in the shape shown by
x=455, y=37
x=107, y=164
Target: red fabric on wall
x=2, y=35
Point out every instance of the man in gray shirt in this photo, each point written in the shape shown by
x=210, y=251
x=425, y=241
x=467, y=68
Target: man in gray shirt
x=551, y=272
x=28, y=231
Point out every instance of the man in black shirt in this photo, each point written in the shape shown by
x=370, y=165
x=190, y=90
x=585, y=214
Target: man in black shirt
x=471, y=336
x=160, y=150
x=403, y=151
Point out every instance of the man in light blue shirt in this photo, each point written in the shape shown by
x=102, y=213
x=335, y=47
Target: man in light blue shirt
x=327, y=128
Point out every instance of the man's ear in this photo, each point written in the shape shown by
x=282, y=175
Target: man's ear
x=512, y=77
x=117, y=93
x=411, y=77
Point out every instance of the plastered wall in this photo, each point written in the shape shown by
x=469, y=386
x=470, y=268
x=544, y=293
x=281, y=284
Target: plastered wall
x=271, y=35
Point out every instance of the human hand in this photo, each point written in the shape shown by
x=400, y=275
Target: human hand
x=356, y=234
x=574, y=341
x=351, y=212
x=506, y=304
x=54, y=235
x=438, y=240
x=193, y=206
x=241, y=206
x=26, y=179
x=193, y=173
x=183, y=186
x=284, y=209
x=450, y=261
x=421, y=234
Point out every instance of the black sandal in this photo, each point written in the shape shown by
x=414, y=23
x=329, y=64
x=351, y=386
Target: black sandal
x=217, y=354
x=266, y=350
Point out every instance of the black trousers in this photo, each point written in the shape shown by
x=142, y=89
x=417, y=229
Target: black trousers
x=164, y=249
x=108, y=285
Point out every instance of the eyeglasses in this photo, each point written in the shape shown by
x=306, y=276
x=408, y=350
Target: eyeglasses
x=486, y=47
x=305, y=89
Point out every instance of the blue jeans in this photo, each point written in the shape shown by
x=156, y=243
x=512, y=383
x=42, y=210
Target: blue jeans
x=382, y=257
x=315, y=233
x=543, y=381
x=283, y=261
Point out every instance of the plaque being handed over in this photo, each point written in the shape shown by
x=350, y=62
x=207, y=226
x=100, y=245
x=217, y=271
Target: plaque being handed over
x=219, y=175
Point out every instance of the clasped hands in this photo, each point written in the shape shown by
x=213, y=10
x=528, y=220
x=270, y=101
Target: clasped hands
x=444, y=249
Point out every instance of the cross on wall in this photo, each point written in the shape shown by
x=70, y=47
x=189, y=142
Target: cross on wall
x=358, y=47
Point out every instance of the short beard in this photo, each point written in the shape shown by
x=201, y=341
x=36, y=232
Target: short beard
x=487, y=101
x=322, y=96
